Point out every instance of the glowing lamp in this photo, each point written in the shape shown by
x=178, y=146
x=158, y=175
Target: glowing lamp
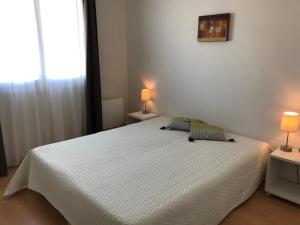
x=289, y=124
x=145, y=96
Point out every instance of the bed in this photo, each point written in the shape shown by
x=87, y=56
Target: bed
x=141, y=175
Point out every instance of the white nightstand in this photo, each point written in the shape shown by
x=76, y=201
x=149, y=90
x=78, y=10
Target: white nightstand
x=278, y=181
x=139, y=117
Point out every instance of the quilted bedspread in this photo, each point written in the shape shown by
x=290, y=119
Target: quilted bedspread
x=141, y=175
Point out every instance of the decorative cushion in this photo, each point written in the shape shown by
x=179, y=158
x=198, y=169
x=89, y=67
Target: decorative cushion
x=181, y=124
x=203, y=131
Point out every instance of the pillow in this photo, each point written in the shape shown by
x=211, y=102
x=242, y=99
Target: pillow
x=181, y=124
x=203, y=131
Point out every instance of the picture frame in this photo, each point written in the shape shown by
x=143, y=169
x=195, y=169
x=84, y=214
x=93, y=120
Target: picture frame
x=214, y=28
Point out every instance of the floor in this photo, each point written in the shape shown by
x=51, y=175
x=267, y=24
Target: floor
x=30, y=208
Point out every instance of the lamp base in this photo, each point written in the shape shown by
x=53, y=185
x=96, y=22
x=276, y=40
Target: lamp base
x=145, y=112
x=286, y=148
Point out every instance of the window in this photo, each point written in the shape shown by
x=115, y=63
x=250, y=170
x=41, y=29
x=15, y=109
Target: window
x=19, y=49
x=41, y=39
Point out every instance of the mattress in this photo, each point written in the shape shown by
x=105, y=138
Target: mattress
x=141, y=175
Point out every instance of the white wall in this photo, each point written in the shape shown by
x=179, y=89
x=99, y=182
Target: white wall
x=242, y=85
x=112, y=29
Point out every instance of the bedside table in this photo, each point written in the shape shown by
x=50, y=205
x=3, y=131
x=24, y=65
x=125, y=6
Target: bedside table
x=277, y=183
x=139, y=117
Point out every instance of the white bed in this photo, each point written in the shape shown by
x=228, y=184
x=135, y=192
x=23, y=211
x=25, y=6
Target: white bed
x=141, y=175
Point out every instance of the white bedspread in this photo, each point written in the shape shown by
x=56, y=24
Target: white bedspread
x=141, y=175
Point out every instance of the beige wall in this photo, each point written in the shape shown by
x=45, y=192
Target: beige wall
x=111, y=16
x=242, y=85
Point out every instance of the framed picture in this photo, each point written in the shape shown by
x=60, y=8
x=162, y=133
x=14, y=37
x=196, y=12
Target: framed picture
x=214, y=27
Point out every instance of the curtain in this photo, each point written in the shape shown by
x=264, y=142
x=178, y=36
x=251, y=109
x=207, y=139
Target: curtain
x=35, y=114
x=93, y=86
x=3, y=169
x=42, y=74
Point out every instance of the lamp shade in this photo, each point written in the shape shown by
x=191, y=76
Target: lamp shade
x=290, y=121
x=145, y=95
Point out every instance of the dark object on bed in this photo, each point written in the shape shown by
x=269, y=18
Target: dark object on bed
x=191, y=140
x=229, y=140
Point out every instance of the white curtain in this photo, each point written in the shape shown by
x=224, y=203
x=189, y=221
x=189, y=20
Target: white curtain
x=42, y=74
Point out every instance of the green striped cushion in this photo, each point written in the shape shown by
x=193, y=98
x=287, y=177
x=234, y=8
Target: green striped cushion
x=203, y=131
x=181, y=123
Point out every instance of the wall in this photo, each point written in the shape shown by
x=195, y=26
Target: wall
x=112, y=29
x=242, y=85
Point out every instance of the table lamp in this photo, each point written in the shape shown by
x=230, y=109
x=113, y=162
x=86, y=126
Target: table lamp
x=289, y=123
x=145, y=96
